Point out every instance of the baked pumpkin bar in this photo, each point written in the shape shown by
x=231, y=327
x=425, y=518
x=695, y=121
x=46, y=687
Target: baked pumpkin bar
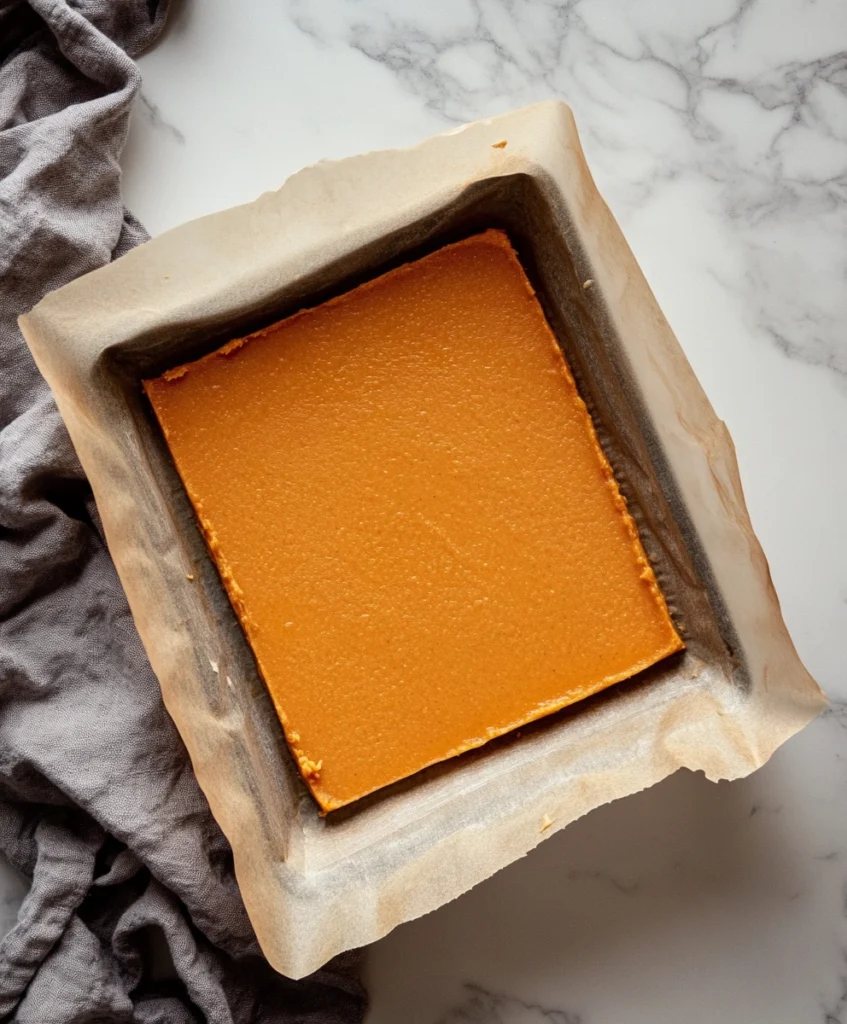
x=411, y=513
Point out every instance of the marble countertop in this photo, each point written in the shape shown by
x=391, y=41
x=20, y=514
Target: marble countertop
x=717, y=132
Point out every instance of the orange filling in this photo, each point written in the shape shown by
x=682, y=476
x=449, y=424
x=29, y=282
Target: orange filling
x=409, y=507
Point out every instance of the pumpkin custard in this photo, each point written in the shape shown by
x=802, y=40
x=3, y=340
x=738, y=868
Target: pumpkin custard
x=408, y=505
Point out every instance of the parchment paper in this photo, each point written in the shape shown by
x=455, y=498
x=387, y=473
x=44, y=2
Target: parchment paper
x=315, y=886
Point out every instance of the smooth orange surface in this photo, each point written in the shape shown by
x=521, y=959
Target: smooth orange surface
x=408, y=505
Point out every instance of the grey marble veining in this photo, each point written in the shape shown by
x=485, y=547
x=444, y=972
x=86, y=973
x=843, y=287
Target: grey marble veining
x=481, y=1006
x=151, y=112
x=746, y=100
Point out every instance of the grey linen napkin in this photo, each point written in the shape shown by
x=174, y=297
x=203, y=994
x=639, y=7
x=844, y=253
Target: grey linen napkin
x=133, y=913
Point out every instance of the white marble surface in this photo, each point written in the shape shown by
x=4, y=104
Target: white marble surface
x=717, y=131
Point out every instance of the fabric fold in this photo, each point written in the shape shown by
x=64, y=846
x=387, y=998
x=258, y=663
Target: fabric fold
x=134, y=913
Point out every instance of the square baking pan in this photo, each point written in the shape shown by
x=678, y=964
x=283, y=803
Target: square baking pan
x=315, y=885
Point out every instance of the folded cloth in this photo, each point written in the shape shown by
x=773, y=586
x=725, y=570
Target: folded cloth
x=133, y=912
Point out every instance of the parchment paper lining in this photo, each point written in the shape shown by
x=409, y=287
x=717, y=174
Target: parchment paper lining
x=314, y=886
